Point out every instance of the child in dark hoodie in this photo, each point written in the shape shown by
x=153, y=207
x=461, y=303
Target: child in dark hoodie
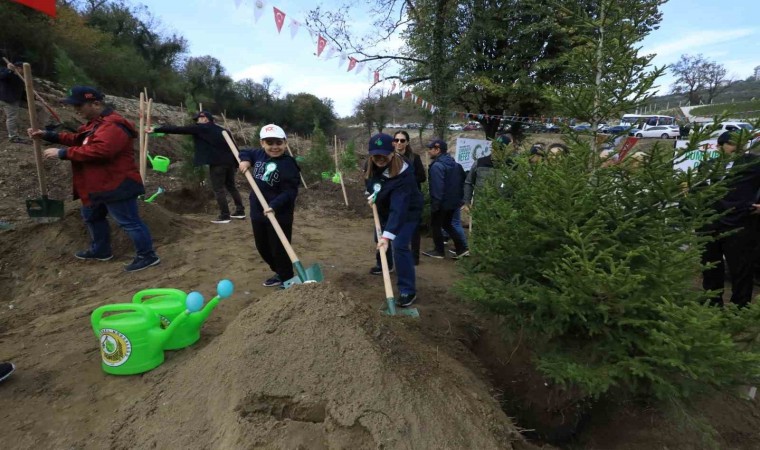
x=277, y=175
x=399, y=204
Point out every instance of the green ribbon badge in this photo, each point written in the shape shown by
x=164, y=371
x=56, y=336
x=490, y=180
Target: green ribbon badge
x=270, y=168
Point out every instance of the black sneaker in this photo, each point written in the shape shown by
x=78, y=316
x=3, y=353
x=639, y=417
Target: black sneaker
x=89, y=255
x=221, y=219
x=378, y=270
x=142, y=262
x=6, y=369
x=459, y=255
x=272, y=282
x=238, y=215
x=18, y=140
x=405, y=300
x=434, y=254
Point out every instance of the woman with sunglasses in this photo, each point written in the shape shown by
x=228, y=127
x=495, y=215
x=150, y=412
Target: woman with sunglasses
x=399, y=202
x=402, y=143
x=277, y=175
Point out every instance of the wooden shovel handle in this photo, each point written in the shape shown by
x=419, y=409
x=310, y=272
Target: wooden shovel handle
x=288, y=248
x=383, y=255
x=28, y=84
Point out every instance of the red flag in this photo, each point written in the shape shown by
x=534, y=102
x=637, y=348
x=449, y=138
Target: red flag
x=408, y=94
x=45, y=6
x=279, y=18
x=630, y=141
x=351, y=63
x=321, y=44
x=377, y=76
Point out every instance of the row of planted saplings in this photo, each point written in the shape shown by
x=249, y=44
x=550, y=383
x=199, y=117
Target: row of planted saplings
x=133, y=336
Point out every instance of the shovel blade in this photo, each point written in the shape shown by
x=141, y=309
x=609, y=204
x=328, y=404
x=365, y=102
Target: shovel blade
x=311, y=274
x=392, y=310
x=41, y=208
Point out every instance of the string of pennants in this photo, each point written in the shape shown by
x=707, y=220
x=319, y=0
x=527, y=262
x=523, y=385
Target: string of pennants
x=424, y=104
x=328, y=51
x=324, y=49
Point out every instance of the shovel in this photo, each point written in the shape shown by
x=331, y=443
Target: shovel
x=41, y=209
x=312, y=274
x=390, y=300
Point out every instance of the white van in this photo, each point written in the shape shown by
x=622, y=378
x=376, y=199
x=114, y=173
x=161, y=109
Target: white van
x=729, y=126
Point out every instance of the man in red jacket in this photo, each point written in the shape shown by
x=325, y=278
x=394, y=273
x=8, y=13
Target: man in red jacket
x=105, y=176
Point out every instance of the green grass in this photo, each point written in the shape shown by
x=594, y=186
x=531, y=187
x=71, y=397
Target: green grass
x=739, y=109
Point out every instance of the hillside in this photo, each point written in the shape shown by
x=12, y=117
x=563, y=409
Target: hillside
x=739, y=91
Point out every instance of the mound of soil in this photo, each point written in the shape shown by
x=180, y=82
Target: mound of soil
x=311, y=368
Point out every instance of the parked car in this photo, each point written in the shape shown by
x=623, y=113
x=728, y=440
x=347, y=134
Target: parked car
x=729, y=126
x=616, y=129
x=455, y=127
x=582, y=127
x=663, y=132
x=551, y=128
x=472, y=127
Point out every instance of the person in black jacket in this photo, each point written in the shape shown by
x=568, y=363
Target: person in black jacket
x=12, y=93
x=277, y=175
x=402, y=143
x=739, y=207
x=446, y=179
x=212, y=149
x=390, y=179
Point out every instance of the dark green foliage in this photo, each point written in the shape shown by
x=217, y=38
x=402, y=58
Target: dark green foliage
x=347, y=158
x=318, y=159
x=192, y=176
x=598, y=266
x=68, y=73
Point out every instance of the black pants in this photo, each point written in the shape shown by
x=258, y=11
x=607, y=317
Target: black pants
x=737, y=249
x=270, y=248
x=439, y=220
x=223, y=179
x=416, y=240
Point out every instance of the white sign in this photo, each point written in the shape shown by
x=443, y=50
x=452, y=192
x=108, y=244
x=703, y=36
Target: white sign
x=691, y=160
x=469, y=150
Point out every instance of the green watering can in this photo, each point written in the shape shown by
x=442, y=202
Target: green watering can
x=168, y=304
x=159, y=163
x=336, y=178
x=133, y=340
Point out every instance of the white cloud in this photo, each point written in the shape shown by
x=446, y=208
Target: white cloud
x=695, y=41
x=257, y=72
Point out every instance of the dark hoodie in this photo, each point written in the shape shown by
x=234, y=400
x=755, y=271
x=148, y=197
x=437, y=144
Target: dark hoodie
x=743, y=183
x=11, y=87
x=280, y=188
x=210, y=146
x=446, y=183
x=102, y=159
x=399, y=201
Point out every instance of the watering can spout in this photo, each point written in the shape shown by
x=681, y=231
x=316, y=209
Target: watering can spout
x=224, y=289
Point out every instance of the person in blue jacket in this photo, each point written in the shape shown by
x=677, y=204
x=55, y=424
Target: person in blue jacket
x=446, y=183
x=277, y=175
x=212, y=149
x=393, y=185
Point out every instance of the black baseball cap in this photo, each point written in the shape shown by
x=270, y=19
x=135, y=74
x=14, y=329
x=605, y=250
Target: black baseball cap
x=79, y=95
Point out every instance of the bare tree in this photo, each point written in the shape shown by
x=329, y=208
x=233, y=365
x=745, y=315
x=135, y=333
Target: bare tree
x=715, y=80
x=689, y=72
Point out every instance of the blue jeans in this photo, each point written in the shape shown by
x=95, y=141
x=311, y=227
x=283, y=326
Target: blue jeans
x=124, y=212
x=456, y=222
x=405, y=274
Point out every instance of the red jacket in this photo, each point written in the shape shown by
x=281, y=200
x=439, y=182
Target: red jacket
x=102, y=159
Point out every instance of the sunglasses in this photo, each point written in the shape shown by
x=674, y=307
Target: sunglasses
x=273, y=141
x=399, y=140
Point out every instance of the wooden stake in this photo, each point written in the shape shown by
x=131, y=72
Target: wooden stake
x=337, y=170
x=144, y=153
x=242, y=133
x=141, y=139
x=29, y=85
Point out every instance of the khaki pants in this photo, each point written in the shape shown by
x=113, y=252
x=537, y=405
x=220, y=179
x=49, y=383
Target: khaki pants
x=11, y=117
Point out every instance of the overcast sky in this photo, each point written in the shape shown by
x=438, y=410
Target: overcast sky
x=724, y=32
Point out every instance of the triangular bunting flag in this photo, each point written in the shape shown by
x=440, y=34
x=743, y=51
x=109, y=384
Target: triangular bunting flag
x=279, y=18
x=330, y=51
x=359, y=68
x=342, y=59
x=258, y=10
x=351, y=63
x=321, y=43
x=44, y=6
x=377, y=76
x=408, y=94
x=294, y=26
x=393, y=86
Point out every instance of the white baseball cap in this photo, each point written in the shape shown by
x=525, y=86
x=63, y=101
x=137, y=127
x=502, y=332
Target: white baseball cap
x=272, y=131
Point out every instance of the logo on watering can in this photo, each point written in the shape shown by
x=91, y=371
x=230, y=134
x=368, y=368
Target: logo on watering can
x=115, y=348
x=165, y=322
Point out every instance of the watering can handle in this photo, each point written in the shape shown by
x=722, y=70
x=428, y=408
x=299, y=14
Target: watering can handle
x=140, y=296
x=98, y=313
